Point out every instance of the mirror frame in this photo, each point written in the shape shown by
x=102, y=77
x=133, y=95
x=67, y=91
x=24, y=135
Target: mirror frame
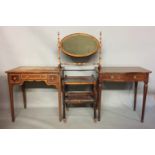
x=82, y=55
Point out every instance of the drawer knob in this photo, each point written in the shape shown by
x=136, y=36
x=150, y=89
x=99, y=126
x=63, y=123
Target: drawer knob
x=135, y=77
x=14, y=78
x=52, y=78
x=112, y=76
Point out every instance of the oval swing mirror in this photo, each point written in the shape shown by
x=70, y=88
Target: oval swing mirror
x=79, y=45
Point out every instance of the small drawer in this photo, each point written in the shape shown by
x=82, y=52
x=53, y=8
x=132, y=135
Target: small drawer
x=14, y=78
x=113, y=77
x=124, y=77
x=52, y=78
x=34, y=76
x=137, y=77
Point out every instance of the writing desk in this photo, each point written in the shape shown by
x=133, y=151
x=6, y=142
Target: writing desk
x=19, y=75
x=125, y=74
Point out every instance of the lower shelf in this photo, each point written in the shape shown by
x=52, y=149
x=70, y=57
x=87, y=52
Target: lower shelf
x=79, y=98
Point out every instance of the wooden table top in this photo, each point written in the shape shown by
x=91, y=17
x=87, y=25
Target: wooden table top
x=33, y=69
x=124, y=70
x=48, y=69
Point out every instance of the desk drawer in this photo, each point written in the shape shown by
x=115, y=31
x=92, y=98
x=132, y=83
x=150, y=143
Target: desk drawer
x=136, y=77
x=34, y=76
x=124, y=77
x=14, y=78
x=52, y=78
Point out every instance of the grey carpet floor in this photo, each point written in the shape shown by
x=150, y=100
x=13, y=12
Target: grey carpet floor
x=117, y=114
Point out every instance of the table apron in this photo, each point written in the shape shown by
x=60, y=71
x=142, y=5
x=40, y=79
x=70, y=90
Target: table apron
x=128, y=77
x=49, y=79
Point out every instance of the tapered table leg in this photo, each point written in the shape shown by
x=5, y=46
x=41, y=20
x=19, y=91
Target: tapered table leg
x=60, y=104
x=144, y=100
x=135, y=96
x=95, y=103
x=11, y=102
x=99, y=101
x=24, y=95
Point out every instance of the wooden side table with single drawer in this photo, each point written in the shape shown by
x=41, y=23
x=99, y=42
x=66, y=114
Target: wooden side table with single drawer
x=124, y=74
x=19, y=75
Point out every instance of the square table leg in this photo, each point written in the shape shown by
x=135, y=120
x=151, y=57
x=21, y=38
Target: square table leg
x=99, y=100
x=11, y=101
x=60, y=103
x=135, y=96
x=144, y=100
x=24, y=95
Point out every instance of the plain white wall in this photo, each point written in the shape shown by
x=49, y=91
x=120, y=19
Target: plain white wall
x=37, y=46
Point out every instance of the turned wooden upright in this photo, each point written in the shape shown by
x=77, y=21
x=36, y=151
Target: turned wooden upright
x=79, y=46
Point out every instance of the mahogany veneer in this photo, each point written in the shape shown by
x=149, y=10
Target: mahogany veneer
x=51, y=76
x=124, y=74
x=19, y=75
